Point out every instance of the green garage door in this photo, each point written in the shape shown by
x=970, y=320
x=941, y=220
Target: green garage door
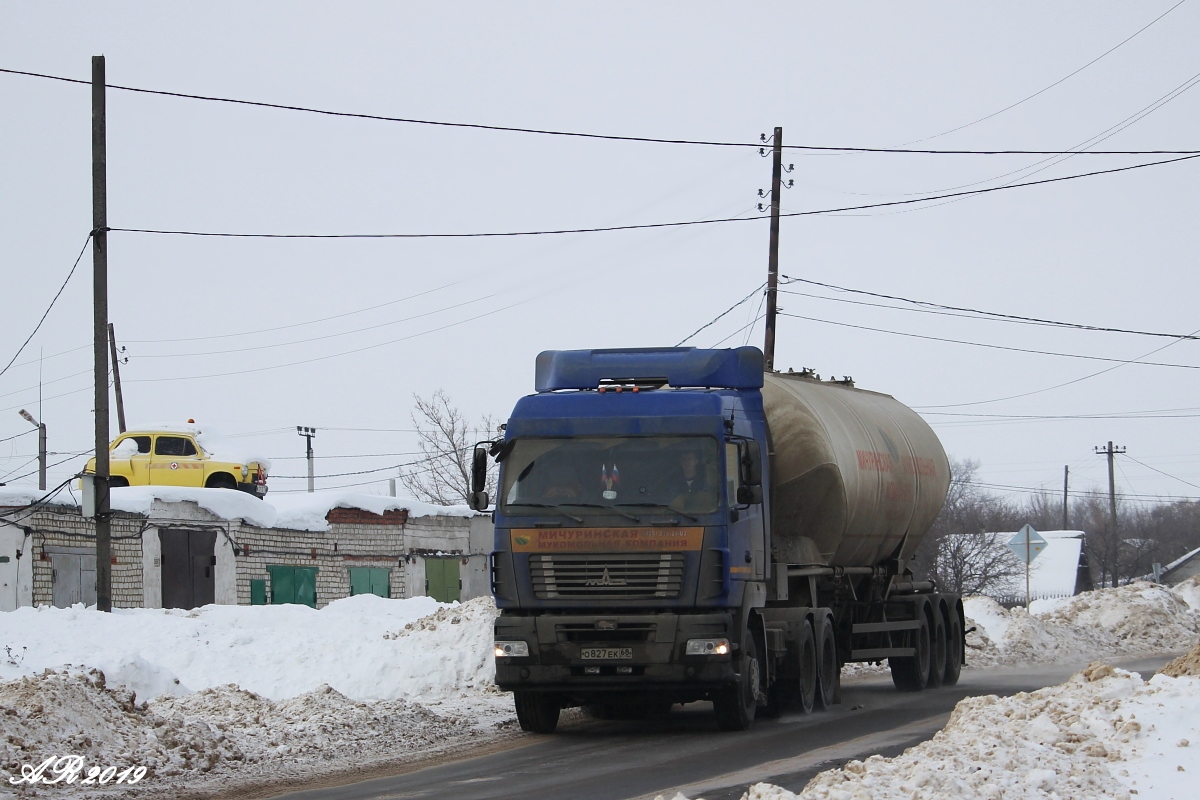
x=370, y=580
x=441, y=579
x=293, y=585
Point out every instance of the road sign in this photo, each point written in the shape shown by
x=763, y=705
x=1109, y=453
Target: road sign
x=1027, y=544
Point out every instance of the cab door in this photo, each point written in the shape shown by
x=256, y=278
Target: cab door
x=175, y=462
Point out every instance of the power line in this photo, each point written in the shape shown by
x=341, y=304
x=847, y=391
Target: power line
x=644, y=226
x=320, y=338
x=990, y=346
x=52, y=302
x=1057, y=82
x=19, y=435
x=723, y=313
x=1010, y=317
x=571, y=134
x=332, y=355
x=294, y=324
x=1159, y=471
x=1058, y=385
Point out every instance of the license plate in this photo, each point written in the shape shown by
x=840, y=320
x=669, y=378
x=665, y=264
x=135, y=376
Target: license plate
x=606, y=653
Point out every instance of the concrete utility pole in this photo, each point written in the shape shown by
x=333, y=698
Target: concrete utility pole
x=1066, y=477
x=308, y=433
x=773, y=255
x=100, y=334
x=116, y=366
x=1111, y=451
x=41, y=426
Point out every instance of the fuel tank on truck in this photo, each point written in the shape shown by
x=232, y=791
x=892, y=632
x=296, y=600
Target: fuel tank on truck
x=857, y=478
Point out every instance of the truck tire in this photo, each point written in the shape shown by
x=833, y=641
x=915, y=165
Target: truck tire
x=828, y=671
x=736, y=704
x=937, y=652
x=911, y=673
x=954, y=649
x=807, y=649
x=537, y=712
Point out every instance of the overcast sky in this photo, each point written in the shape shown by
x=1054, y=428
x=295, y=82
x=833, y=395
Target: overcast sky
x=254, y=337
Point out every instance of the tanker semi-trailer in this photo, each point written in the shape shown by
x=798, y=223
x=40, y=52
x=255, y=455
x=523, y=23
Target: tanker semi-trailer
x=674, y=525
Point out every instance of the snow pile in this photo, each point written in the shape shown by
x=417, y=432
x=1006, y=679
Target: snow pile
x=248, y=693
x=225, y=503
x=1105, y=733
x=1186, y=664
x=275, y=651
x=1138, y=618
x=297, y=512
x=306, y=512
x=74, y=713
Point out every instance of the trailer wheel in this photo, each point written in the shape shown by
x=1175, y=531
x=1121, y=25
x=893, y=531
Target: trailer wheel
x=537, y=712
x=954, y=649
x=911, y=673
x=937, y=653
x=736, y=704
x=829, y=673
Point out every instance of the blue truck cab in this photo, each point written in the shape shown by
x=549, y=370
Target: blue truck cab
x=631, y=531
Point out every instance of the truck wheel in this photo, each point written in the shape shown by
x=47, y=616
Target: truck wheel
x=828, y=672
x=736, y=704
x=537, y=712
x=937, y=653
x=807, y=648
x=954, y=649
x=911, y=674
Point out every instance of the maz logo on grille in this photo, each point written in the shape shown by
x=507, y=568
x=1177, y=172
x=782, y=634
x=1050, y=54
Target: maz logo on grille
x=606, y=580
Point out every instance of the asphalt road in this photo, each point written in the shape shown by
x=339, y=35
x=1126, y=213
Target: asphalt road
x=685, y=752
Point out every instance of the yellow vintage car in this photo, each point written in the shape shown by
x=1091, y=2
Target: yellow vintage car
x=182, y=456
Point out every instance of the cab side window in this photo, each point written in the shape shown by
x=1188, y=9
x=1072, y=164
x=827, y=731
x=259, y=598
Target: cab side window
x=143, y=443
x=174, y=446
x=732, y=471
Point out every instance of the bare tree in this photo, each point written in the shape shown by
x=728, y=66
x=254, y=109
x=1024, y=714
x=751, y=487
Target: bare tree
x=963, y=551
x=446, y=439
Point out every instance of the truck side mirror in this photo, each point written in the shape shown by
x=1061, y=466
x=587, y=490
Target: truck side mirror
x=752, y=459
x=749, y=495
x=478, y=501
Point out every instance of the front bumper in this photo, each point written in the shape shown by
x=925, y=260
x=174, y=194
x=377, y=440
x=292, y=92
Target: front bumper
x=656, y=640
x=253, y=487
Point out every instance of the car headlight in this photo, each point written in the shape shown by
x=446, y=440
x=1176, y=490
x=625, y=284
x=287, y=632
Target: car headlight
x=707, y=647
x=507, y=649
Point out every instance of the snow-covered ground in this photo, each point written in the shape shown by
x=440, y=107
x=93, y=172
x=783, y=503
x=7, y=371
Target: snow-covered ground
x=225, y=696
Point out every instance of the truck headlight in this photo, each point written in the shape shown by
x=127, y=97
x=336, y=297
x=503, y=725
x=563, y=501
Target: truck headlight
x=707, y=647
x=507, y=649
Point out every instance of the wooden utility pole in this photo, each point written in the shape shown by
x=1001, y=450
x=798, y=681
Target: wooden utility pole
x=773, y=256
x=116, y=367
x=1066, y=477
x=100, y=334
x=1114, y=537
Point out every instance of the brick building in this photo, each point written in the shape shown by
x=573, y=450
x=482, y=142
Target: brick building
x=183, y=548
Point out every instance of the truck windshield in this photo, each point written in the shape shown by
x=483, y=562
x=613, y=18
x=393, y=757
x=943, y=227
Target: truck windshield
x=589, y=475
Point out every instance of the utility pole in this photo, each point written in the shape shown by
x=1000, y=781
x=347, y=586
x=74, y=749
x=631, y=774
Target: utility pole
x=1111, y=451
x=116, y=366
x=100, y=334
x=773, y=256
x=1066, y=477
x=41, y=426
x=308, y=433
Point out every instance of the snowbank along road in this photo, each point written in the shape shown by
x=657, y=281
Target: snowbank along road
x=226, y=699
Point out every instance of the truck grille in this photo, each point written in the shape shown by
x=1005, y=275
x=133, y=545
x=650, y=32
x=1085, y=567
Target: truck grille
x=564, y=576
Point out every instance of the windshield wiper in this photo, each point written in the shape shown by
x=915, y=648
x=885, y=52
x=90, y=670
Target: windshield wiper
x=610, y=508
x=661, y=505
x=544, y=505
